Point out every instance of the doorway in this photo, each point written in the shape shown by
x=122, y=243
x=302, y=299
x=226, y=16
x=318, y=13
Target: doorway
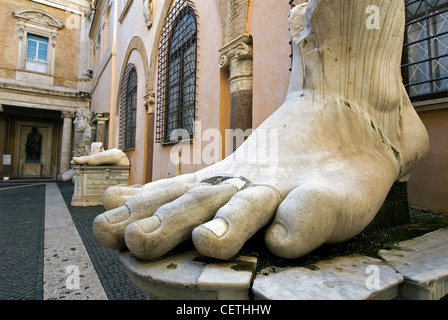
x=29, y=163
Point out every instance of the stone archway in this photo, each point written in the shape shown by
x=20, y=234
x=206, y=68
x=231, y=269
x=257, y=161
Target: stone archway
x=137, y=44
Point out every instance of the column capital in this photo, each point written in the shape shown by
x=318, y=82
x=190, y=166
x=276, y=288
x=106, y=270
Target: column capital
x=240, y=48
x=67, y=114
x=237, y=56
x=102, y=117
x=149, y=102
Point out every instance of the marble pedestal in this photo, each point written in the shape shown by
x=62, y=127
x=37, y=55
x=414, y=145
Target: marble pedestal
x=92, y=181
x=32, y=170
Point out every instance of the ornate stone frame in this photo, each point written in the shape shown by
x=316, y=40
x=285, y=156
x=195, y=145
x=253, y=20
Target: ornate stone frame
x=39, y=22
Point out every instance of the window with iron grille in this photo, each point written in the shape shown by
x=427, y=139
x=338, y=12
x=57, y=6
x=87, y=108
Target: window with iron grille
x=425, y=54
x=177, y=64
x=128, y=108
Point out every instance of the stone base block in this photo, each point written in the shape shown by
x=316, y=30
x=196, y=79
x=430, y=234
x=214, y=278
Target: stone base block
x=189, y=276
x=353, y=277
x=423, y=262
x=417, y=270
x=92, y=181
x=395, y=209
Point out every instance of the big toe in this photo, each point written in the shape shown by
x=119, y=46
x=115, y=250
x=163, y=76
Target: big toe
x=108, y=227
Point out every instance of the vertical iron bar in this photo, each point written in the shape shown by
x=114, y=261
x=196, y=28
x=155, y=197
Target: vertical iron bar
x=291, y=3
x=428, y=41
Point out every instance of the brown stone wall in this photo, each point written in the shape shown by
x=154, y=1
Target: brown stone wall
x=234, y=17
x=9, y=39
x=67, y=50
x=67, y=46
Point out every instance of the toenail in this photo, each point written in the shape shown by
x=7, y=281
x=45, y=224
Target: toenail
x=278, y=231
x=218, y=226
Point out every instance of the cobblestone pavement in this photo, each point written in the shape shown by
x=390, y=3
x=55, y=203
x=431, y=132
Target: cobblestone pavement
x=22, y=209
x=22, y=212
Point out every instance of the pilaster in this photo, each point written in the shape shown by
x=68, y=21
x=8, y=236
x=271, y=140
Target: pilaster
x=66, y=145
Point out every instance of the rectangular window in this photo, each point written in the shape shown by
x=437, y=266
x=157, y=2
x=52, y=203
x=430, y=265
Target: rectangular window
x=36, y=53
x=425, y=54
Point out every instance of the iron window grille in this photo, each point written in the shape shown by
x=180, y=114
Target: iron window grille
x=177, y=66
x=425, y=54
x=128, y=108
x=292, y=5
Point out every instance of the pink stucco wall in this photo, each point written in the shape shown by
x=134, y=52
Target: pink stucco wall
x=208, y=89
x=270, y=32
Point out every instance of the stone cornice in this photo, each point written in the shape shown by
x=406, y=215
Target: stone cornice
x=51, y=92
x=75, y=6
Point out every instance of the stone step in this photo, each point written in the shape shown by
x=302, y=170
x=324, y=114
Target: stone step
x=353, y=277
x=423, y=262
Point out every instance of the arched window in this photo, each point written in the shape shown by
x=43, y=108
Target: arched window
x=128, y=108
x=176, y=94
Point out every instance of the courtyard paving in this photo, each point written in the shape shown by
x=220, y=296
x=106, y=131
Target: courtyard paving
x=45, y=243
x=25, y=233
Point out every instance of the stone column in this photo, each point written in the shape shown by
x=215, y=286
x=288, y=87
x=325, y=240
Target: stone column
x=237, y=57
x=66, y=145
x=149, y=102
x=101, y=120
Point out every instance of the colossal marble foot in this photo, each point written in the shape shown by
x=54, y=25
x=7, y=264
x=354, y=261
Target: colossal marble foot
x=346, y=132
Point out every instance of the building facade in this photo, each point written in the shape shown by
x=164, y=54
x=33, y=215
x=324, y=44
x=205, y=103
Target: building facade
x=170, y=71
x=45, y=85
x=173, y=81
x=209, y=45
x=425, y=74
